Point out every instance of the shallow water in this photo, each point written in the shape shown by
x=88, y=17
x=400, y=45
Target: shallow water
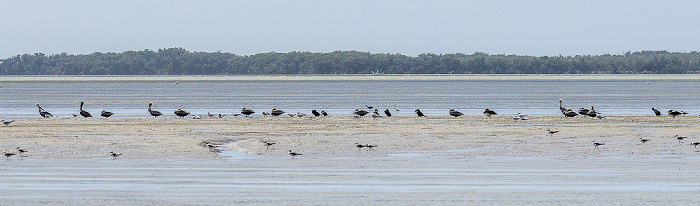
x=340, y=95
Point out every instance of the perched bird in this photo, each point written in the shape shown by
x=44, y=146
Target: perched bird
x=644, y=140
x=596, y=144
x=21, y=151
x=360, y=112
x=387, y=112
x=43, y=112
x=324, y=113
x=570, y=113
x=695, y=144
x=293, y=154
x=315, y=113
x=7, y=122
x=551, y=132
x=114, y=155
x=181, y=113
x=657, y=112
x=489, y=112
x=153, y=113
x=455, y=113
x=84, y=113
x=7, y=154
x=419, y=113
x=106, y=114
x=276, y=112
x=247, y=112
x=679, y=138
x=674, y=113
x=583, y=111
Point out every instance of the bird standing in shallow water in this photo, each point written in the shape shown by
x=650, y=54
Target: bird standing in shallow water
x=247, y=112
x=596, y=144
x=21, y=151
x=455, y=113
x=153, y=113
x=551, y=132
x=360, y=112
x=7, y=122
x=644, y=140
x=695, y=144
x=43, y=112
x=268, y=144
x=679, y=138
x=84, y=113
x=7, y=154
x=293, y=154
x=114, y=155
x=489, y=112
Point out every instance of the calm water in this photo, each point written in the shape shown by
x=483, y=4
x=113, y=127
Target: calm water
x=508, y=95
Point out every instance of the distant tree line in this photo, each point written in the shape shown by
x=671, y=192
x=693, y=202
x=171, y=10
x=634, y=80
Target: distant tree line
x=178, y=61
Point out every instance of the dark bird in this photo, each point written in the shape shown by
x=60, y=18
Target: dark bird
x=674, y=113
x=247, y=112
x=315, y=113
x=21, y=151
x=7, y=154
x=83, y=112
x=106, y=114
x=419, y=113
x=644, y=140
x=114, y=155
x=569, y=113
x=43, y=112
x=695, y=144
x=455, y=113
x=153, y=113
x=551, y=132
x=211, y=147
x=369, y=146
x=359, y=146
x=324, y=113
x=679, y=138
x=489, y=112
x=387, y=112
x=360, y=112
x=596, y=144
x=268, y=144
x=657, y=112
x=7, y=122
x=369, y=107
x=276, y=112
x=181, y=113
x=561, y=108
x=583, y=111
x=293, y=154
x=375, y=114
x=592, y=112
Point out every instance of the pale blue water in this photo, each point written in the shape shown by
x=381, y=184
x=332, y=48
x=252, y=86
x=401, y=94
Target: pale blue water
x=339, y=98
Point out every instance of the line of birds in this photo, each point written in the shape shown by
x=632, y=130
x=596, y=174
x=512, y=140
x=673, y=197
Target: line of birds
x=19, y=150
x=642, y=140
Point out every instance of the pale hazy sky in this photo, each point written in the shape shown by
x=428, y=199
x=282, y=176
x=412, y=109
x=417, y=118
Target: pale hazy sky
x=398, y=26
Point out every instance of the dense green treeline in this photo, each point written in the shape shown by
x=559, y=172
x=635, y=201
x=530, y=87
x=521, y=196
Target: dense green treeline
x=178, y=61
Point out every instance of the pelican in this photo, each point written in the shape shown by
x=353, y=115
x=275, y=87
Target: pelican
x=644, y=140
x=7, y=154
x=657, y=112
x=315, y=113
x=114, y=155
x=583, y=111
x=674, y=113
x=387, y=112
x=21, y=151
x=591, y=113
x=561, y=108
x=695, y=144
x=551, y=132
x=596, y=144
x=293, y=154
x=419, y=113
x=43, y=112
x=153, y=113
x=455, y=113
x=569, y=113
x=106, y=114
x=181, y=113
x=7, y=122
x=489, y=112
x=679, y=138
x=276, y=112
x=83, y=112
x=324, y=113
x=247, y=112
x=360, y=112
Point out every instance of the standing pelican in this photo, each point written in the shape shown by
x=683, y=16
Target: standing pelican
x=315, y=113
x=247, y=112
x=561, y=108
x=674, y=113
x=153, y=113
x=293, y=154
x=387, y=112
x=83, y=112
x=360, y=112
x=276, y=112
x=657, y=112
x=324, y=113
x=489, y=112
x=419, y=113
x=455, y=113
x=43, y=112
x=181, y=113
x=106, y=114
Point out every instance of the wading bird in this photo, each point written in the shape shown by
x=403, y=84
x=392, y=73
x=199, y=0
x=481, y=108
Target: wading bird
x=114, y=155
x=153, y=113
x=293, y=154
x=7, y=154
x=43, y=112
x=596, y=144
x=656, y=112
x=419, y=113
x=84, y=113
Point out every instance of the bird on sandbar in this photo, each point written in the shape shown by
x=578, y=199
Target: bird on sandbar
x=369, y=146
x=387, y=112
x=106, y=114
x=674, y=113
x=211, y=147
x=570, y=113
x=419, y=113
x=324, y=113
x=695, y=144
x=455, y=113
x=276, y=112
x=293, y=154
x=596, y=144
x=679, y=138
x=489, y=112
x=656, y=112
x=247, y=112
x=43, y=112
x=181, y=113
x=359, y=146
x=375, y=114
x=114, y=155
x=362, y=113
x=551, y=132
x=583, y=111
x=84, y=113
x=7, y=122
x=644, y=140
x=7, y=154
x=21, y=151
x=315, y=113
x=592, y=112
x=153, y=113
x=268, y=144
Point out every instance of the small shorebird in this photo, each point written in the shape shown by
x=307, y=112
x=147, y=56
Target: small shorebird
x=695, y=144
x=359, y=146
x=293, y=154
x=211, y=147
x=679, y=138
x=551, y=132
x=7, y=122
x=268, y=144
x=21, y=151
x=596, y=144
x=369, y=146
x=644, y=140
x=114, y=155
x=7, y=154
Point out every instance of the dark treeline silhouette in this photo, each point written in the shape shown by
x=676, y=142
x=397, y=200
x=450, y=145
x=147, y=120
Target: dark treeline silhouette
x=178, y=61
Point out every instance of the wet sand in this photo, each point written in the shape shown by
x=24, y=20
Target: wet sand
x=434, y=160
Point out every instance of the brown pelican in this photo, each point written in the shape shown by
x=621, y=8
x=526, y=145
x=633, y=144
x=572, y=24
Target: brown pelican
x=583, y=111
x=679, y=138
x=591, y=113
x=7, y=122
x=695, y=144
x=489, y=112
x=21, y=151
x=455, y=113
x=674, y=113
x=387, y=112
x=181, y=113
x=596, y=144
x=106, y=114
x=83, y=112
x=551, y=132
x=644, y=140
x=43, y=112
x=419, y=113
x=324, y=113
x=7, y=154
x=247, y=112
x=360, y=112
x=293, y=154
x=315, y=113
x=569, y=113
x=114, y=155
x=153, y=113
x=276, y=112
x=657, y=112
x=561, y=108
